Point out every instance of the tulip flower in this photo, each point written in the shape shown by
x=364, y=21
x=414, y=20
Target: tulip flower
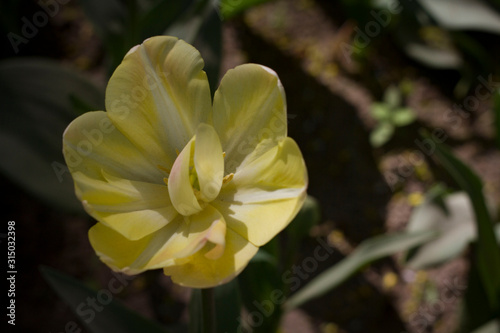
x=178, y=182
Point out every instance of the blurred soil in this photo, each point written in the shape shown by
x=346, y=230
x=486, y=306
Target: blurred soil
x=362, y=191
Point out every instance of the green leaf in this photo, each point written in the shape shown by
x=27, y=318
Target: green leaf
x=99, y=311
x=231, y=8
x=209, y=43
x=188, y=26
x=380, y=111
x=476, y=310
x=463, y=14
x=160, y=16
x=496, y=110
x=456, y=229
x=434, y=57
x=392, y=97
x=109, y=19
x=263, y=296
x=227, y=308
x=403, y=116
x=367, y=252
x=381, y=134
x=195, y=312
x=308, y=216
x=201, y=27
x=487, y=255
x=38, y=104
x=490, y=327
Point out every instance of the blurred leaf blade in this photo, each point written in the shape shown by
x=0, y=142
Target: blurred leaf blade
x=455, y=226
x=195, y=312
x=160, y=16
x=487, y=254
x=368, y=251
x=256, y=291
x=227, y=307
x=496, y=110
x=299, y=228
x=463, y=14
x=39, y=103
x=109, y=18
x=403, y=116
x=231, y=8
x=112, y=316
x=490, y=327
x=381, y=134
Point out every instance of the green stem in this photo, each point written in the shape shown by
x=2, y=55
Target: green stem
x=208, y=308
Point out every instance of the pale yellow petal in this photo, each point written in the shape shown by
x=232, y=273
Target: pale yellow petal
x=209, y=162
x=116, y=251
x=134, y=209
x=266, y=194
x=158, y=95
x=249, y=107
x=280, y=167
x=131, y=256
x=91, y=144
x=198, y=271
x=193, y=233
x=179, y=183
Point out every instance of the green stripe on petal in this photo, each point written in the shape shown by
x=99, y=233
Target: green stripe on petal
x=158, y=96
x=92, y=144
x=209, y=162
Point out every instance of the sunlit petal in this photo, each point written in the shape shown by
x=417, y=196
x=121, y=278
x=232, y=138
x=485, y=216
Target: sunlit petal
x=159, y=85
x=266, y=194
x=179, y=183
x=209, y=162
x=91, y=144
x=249, y=107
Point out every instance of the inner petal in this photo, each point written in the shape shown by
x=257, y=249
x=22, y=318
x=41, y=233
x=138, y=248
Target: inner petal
x=180, y=187
x=208, y=162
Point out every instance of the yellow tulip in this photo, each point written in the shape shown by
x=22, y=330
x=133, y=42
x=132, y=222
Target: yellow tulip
x=178, y=182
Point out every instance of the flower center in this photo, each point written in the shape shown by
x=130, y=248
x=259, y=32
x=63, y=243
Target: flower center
x=198, y=172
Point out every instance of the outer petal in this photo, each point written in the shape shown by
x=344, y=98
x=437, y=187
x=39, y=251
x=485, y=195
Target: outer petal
x=249, y=107
x=209, y=162
x=125, y=255
x=91, y=144
x=266, y=194
x=177, y=240
x=158, y=96
x=198, y=271
x=134, y=209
